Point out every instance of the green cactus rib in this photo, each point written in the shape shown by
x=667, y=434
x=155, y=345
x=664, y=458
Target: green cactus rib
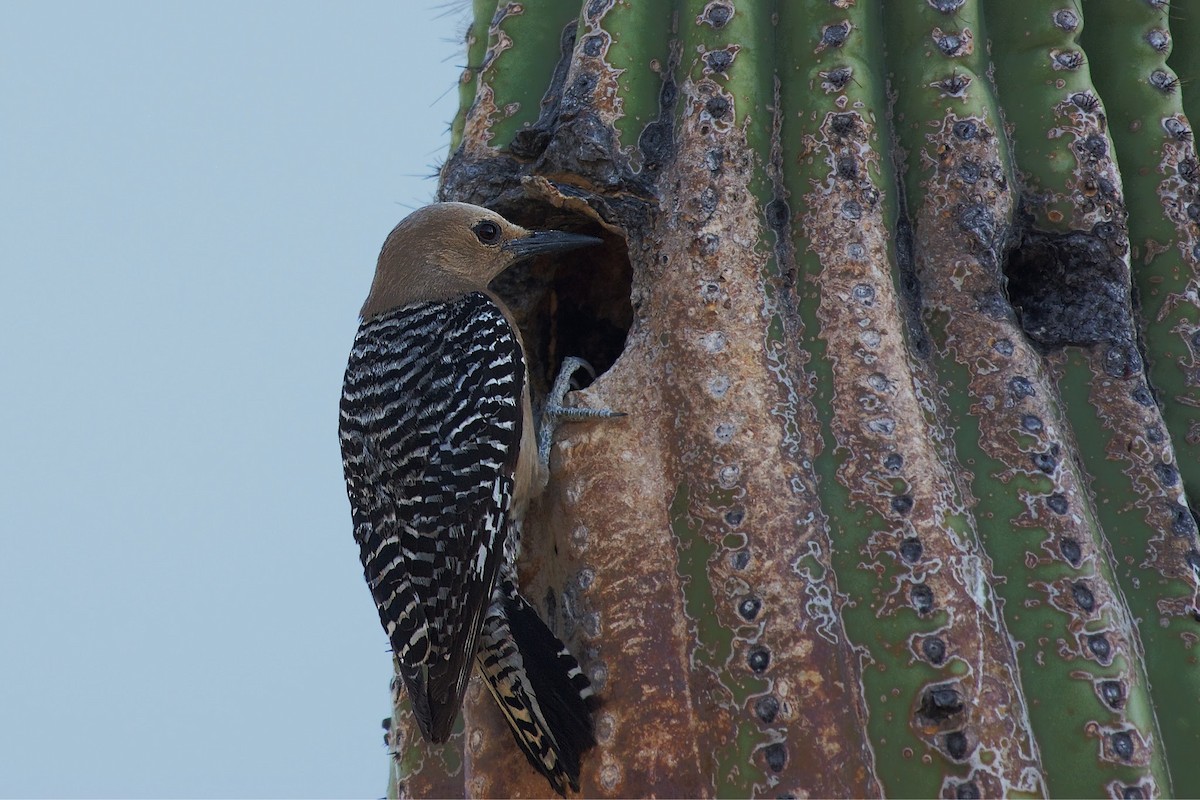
x=1159, y=177
x=959, y=192
x=1184, y=60
x=885, y=472
x=477, y=45
x=630, y=37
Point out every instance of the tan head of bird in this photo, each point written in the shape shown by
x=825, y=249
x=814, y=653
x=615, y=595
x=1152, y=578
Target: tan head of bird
x=445, y=250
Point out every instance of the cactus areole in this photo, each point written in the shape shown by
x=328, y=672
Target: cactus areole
x=902, y=301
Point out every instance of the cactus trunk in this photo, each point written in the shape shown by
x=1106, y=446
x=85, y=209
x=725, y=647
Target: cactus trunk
x=902, y=301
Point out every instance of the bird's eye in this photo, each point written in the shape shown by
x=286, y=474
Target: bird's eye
x=487, y=232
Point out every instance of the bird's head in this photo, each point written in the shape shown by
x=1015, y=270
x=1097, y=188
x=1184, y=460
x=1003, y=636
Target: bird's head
x=448, y=249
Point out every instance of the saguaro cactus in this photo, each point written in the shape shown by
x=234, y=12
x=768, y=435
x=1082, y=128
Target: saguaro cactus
x=902, y=300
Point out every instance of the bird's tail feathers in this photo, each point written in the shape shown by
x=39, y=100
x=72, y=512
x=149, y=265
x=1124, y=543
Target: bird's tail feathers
x=539, y=687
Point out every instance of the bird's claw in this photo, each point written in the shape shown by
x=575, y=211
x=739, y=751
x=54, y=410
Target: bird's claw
x=555, y=413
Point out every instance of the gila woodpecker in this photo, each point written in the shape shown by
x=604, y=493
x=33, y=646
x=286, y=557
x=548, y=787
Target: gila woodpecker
x=441, y=459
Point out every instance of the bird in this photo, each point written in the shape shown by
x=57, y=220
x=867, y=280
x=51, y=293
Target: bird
x=441, y=458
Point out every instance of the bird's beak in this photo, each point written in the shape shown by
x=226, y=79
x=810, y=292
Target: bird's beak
x=540, y=242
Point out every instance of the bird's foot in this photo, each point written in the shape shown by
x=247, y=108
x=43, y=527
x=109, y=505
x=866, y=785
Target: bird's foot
x=555, y=413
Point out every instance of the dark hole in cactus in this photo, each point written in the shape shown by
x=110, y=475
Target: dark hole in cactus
x=749, y=607
x=776, y=756
x=902, y=504
x=734, y=516
x=967, y=791
x=956, y=745
x=717, y=107
x=718, y=60
x=922, y=598
x=1021, y=387
x=718, y=14
x=934, y=649
x=940, y=703
x=1166, y=473
x=1072, y=289
x=1071, y=552
x=1046, y=462
x=894, y=462
x=1083, y=597
x=1113, y=694
x=966, y=129
x=759, y=658
x=1183, y=523
x=1098, y=644
x=766, y=708
x=576, y=305
x=1057, y=503
x=1122, y=745
x=835, y=35
x=911, y=550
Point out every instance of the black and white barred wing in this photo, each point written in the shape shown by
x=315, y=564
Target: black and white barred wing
x=430, y=432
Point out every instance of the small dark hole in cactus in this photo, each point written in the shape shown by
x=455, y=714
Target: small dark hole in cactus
x=1142, y=396
x=718, y=15
x=947, y=7
x=1122, y=361
x=593, y=46
x=1176, y=129
x=922, y=598
x=1113, y=693
x=911, y=550
x=894, y=462
x=1031, y=423
x=1021, y=387
x=740, y=559
x=1182, y=522
x=734, y=516
x=1071, y=552
x=847, y=168
x=766, y=708
x=718, y=60
x=717, y=106
x=902, y=504
x=950, y=44
x=934, y=649
x=1044, y=461
x=1095, y=146
x=1164, y=81
x=776, y=756
x=967, y=791
x=1166, y=473
x=838, y=78
x=1122, y=745
x=1083, y=597
x=835, y=35
x=1065, y=19
x=956, y=745
x=749, y=607
x=1132, y=793
x=968, y=171
x=1101, y=649
x=966, y=129
x=759, y=659
x=1058, y=503
x=940, y=702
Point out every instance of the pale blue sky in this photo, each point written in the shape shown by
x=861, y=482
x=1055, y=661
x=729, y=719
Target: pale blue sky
x=192, y=197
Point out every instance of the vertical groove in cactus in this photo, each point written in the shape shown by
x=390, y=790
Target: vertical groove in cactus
x=902, y=302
